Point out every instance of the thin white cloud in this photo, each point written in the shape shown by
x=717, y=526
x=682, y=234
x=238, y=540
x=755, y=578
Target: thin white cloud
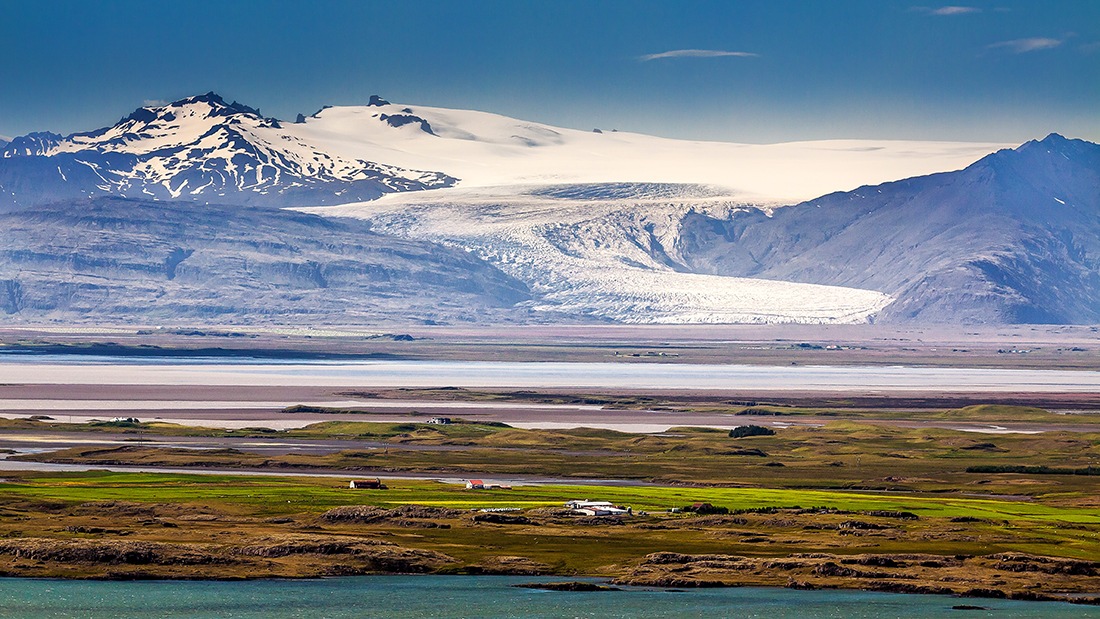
x=696, y=53
x=154, y=102
x=945, y=10
x=955, y=10
x=1022, y=46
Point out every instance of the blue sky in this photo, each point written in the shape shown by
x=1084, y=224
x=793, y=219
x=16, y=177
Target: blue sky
x=752, y=71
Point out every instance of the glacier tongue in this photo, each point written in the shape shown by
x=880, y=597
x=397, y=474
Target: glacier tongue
x=608, y=251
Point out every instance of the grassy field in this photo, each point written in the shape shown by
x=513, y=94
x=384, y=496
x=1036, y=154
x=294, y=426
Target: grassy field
x=844, y=455
x=230, y=515
x=799, y=506
x=265, y=495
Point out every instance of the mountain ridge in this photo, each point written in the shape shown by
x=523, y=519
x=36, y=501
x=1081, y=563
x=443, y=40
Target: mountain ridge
x=1015, y=237
x=586, y=225
x=199, y=149
x=203, y=149
x=120, y=259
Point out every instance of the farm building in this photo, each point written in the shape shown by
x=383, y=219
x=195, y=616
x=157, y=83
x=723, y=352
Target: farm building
x=366, y=484
x=588, y=507
x=478, y=484
x=440, y=421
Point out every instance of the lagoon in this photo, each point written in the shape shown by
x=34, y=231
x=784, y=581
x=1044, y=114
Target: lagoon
x=422, y=597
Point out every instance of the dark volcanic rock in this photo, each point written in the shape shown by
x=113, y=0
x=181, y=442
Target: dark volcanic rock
x=502, y=519
x=567, y=586
x=364, y=514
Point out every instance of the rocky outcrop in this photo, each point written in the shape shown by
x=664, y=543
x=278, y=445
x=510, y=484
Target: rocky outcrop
x=1006, y=575
x=260, y=558
x=113, y=552
x=572, y=585
x=414, y=516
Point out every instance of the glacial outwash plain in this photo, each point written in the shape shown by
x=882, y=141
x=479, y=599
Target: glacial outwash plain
x=904, y=459
x=378, y=347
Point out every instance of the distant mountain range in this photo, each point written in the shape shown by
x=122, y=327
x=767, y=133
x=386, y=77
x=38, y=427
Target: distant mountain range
x=450, y=215
x=202, y=149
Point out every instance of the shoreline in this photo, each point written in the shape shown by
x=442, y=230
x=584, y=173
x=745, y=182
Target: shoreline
x=620, y=583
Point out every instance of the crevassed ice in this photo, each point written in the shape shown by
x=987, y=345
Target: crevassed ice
x=616, y=259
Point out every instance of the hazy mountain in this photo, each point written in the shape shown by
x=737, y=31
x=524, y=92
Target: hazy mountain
x=113, y=259
x=1012, y=238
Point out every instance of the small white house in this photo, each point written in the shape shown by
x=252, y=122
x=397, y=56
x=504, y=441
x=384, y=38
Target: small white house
x=588, y=507
x=478, y=484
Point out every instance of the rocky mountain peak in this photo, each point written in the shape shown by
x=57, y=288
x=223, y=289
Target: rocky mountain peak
x=30, y=145
x=209, y=106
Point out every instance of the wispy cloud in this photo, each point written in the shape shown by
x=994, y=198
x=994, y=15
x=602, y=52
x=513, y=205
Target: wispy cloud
x=696, y=53
x=945, y=10
x=1022, y=46
x=1091, y=48
x=154, y=102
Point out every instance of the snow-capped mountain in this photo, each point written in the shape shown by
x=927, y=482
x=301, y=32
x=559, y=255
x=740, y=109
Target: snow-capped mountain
x=602, y=224
x=1013, y=238
x=205, y=150
x=481, y=149
x=198, y=149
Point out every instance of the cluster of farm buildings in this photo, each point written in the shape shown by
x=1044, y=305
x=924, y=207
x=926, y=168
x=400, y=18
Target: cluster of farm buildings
x=581, y=507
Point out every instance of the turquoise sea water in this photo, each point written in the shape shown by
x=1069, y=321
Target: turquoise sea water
x=469, y=596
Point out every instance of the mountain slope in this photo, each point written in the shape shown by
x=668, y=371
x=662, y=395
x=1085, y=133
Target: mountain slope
x=197, y=149
x=118, y=260
x=1012, y=238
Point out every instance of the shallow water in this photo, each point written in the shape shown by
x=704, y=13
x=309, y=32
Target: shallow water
x=150, y=371
x=420, y=597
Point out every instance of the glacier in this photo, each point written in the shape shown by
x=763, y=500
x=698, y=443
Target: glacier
x=592, y=223
x=612, y=258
